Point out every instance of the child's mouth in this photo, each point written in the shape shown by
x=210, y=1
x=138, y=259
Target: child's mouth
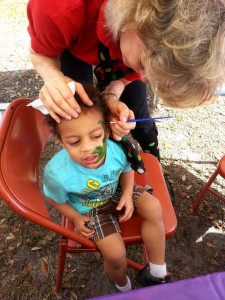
x=91, y=159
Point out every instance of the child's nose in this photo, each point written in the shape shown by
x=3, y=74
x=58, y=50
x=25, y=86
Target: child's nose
x=87, y=146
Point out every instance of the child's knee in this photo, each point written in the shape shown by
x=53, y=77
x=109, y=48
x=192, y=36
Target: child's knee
x=149, y=206
x=116, y=258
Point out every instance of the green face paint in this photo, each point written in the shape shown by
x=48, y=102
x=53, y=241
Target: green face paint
x=101, y=150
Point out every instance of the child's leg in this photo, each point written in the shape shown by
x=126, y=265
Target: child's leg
x=115, y=263
x=110, y=243
x=152, y=230
x=153, y=234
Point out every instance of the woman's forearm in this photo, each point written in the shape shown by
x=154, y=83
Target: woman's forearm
x=47, y=67
x=117, y=87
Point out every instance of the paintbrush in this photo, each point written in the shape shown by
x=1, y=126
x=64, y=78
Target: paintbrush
x=142, y=120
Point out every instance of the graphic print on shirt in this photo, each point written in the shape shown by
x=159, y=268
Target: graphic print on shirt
x=97, y=193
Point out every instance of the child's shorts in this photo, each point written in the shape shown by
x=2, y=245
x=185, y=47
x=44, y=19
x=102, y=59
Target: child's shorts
x=105, y=217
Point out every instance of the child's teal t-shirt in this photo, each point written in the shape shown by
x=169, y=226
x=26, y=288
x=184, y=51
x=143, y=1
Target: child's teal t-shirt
x=84, y=189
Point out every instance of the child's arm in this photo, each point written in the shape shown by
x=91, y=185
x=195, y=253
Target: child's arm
x=78, y=220
x=126, y=201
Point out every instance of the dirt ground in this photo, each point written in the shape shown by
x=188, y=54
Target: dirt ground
x=191, y=144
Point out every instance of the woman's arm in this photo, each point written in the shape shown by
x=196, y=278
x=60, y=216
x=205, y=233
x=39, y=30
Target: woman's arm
x=47, y=67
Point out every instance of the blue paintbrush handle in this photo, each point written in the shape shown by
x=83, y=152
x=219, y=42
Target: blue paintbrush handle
x=143, y=120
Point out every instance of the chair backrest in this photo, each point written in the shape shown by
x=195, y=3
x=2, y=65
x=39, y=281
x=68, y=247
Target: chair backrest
x=23, y=137
x=22, y=140
x=221, y=166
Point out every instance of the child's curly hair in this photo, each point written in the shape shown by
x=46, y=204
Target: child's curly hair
x=99, y=104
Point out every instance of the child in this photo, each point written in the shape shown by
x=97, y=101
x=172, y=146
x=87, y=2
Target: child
x=82, y=183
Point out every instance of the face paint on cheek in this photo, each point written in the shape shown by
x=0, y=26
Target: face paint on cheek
x=101, y=150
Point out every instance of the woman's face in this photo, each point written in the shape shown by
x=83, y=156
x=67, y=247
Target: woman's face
x=133, y=50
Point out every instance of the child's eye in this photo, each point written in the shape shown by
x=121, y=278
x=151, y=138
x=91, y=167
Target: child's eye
x=74, y=143
x=97, y=136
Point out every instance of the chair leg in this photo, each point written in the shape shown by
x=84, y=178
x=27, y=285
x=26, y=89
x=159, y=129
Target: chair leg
x=61, y=263
x=145, y=254
x=137, y=266
x=215, y=193
x=133, y=264
x=203, y=191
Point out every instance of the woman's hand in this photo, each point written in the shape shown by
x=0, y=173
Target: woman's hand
x=55, y=94
x=120, y=113
x=59, y=99
x=119, y=110
x=81, y=227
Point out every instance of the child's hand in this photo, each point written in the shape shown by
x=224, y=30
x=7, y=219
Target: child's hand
x=126, y=202
x=82, y=226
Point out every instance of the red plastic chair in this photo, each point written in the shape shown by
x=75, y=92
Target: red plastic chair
x=23, y=137
x=220, y=170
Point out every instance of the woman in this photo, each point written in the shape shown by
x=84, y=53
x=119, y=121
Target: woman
x=177, y=46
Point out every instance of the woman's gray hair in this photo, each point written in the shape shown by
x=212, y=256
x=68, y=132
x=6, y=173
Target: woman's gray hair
x=184, y=41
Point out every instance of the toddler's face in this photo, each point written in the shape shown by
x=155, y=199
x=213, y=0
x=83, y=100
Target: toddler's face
x=85, y=139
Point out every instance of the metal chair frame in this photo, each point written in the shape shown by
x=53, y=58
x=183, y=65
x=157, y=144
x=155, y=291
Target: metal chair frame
x=220, y=170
